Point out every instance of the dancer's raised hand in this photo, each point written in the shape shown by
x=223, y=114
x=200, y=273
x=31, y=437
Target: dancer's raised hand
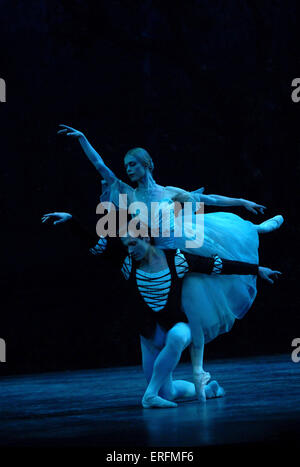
x=253, y=207
x=56, y=217
x=267, y=274
x=90, y=152
x=69, y=131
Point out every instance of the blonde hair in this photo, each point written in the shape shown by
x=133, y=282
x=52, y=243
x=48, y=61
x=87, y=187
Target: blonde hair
x=142, y=156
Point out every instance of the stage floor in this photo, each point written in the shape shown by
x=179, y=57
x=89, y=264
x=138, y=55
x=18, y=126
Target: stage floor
x=102, y=407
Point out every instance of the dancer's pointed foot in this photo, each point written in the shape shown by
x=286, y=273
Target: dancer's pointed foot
x=200, y=380
x=157, y=402
x=270, y=225
x=213, y=389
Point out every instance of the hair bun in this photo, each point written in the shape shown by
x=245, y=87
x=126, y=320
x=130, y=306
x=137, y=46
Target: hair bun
x=143, y=156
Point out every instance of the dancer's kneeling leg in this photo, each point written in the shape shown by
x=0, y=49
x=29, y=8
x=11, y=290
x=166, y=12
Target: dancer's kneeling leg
x=177, y=339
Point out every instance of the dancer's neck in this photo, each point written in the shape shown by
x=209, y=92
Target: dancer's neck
x=154, y=260
x=146, y=183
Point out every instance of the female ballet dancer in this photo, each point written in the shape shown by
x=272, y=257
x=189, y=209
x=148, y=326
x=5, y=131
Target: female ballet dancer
x=225, y=234
x=155, y=278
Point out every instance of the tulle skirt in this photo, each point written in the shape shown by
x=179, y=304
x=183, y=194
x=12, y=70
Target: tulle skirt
x=213, y=302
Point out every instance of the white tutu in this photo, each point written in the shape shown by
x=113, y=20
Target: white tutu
x=212, y=302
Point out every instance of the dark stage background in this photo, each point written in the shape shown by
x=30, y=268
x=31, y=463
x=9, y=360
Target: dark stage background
x=205, y=87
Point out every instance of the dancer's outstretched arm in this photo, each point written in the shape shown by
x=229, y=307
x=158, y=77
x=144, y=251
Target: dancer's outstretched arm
x=214, y=200
x=109, y=248
x=268, y=274
x=215, y=265
x=90, y=152
x=218, y=200
x=88, y=238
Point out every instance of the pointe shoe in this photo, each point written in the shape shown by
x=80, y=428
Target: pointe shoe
x=270, y=224
x=200, y=380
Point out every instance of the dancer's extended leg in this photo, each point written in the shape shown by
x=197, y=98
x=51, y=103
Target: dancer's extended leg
x=270, y=225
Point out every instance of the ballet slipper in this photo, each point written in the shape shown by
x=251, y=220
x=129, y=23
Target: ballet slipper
x=157, y=402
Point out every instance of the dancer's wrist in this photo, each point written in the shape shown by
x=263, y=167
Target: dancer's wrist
x=82, y=138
